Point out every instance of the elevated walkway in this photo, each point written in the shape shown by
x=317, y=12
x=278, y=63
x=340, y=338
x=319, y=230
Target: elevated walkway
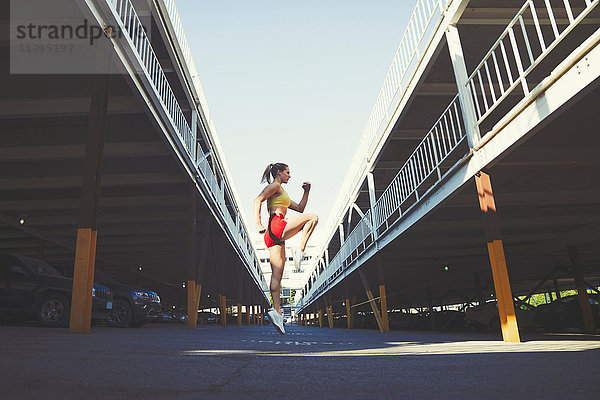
x=480, y=94
x=125, y=163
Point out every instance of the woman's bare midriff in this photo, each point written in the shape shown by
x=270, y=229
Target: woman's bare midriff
x=278, y=210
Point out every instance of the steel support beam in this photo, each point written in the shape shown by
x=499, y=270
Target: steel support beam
x=504, y=298
x=85, y=252
x=464, y=94
x=372, y=302
x=372, y=202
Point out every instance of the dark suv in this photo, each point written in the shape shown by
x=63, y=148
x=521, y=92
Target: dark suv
x=132, y=306
x=32, y=288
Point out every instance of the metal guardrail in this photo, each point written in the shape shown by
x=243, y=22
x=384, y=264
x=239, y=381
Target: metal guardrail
x=441, y=140
x=507, y=65
x=138, y=40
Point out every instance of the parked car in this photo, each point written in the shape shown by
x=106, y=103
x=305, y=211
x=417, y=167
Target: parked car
x=566, y=313
x=133, y=306
x=486, y=316
x=31, y=288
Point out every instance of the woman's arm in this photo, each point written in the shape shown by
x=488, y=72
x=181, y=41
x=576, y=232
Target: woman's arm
x=300, y=207
x=267, y=192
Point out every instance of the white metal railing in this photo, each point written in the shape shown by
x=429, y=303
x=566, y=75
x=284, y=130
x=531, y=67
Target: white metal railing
x=426, y=15
x=441, y=140
x=515, y=54
x=135, y=34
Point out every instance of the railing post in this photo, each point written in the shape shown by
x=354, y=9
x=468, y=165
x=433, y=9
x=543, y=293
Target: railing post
x=194, y=131
x=341, y=229
x=464, y=94
x=372, y=202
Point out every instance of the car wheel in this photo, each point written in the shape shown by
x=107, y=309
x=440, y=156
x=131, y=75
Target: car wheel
x=121, y=314
x=138, y=324
x=53, y=310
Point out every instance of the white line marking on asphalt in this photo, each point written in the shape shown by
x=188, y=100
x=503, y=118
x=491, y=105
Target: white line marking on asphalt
x=296, y=343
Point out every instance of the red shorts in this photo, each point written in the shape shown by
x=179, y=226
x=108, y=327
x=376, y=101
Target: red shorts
x=275, y=230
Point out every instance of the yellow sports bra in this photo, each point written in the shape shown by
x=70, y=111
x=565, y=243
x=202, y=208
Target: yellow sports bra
x=283, y=200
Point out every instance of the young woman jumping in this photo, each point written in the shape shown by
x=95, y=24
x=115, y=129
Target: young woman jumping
x=279, y=229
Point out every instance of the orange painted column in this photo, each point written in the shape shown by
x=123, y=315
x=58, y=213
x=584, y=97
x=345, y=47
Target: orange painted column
x=504, y=298
x=223, y=309
x=330, y=315
x=87, y=235
x=83, y=281
x=192, y=310
x=348, y=314
x=382, y=295
x=239, y=314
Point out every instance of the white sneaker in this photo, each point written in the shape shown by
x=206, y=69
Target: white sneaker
x=276, y=320
x=298, y=255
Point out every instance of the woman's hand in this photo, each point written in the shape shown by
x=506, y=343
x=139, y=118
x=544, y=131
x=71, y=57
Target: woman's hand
x=261, y=228
x=306, y=186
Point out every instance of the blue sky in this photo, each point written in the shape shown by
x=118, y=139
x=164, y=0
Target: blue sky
x=292, y=82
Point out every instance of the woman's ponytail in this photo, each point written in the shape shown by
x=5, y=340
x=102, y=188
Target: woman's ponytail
x=271, y=171
x=266, y=176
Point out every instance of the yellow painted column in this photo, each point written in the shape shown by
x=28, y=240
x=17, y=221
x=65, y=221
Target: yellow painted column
x=504, y=298
x=239, y=314
x=320, y=318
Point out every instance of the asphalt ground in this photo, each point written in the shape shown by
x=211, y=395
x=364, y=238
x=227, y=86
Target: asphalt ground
x=169, y=361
